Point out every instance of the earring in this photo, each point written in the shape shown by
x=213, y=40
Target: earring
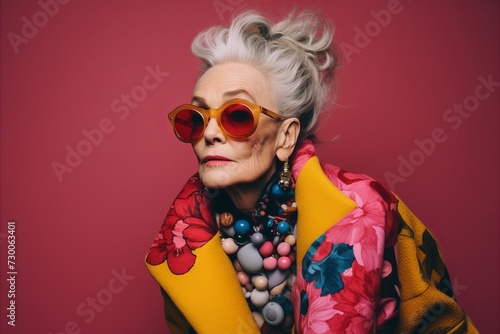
x=285, y=176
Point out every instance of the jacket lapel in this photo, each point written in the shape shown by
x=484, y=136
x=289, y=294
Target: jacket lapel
x=208, y=295
x=320, y=205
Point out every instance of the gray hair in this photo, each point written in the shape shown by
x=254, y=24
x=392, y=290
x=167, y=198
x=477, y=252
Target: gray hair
x=295, y=55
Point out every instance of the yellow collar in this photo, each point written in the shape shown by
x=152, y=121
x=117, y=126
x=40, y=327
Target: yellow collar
x=210, y=297
x=320, y=205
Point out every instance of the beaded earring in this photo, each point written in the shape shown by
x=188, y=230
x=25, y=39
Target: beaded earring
x=285, y=176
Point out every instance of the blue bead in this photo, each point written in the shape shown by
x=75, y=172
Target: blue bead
x=277, y=191
x=283, y=227
x=270, y=222
x=242, y=226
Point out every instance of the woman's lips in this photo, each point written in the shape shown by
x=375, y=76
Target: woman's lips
x=215, y=160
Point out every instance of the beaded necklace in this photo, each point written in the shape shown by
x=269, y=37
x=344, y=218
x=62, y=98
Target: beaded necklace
x=262, y=249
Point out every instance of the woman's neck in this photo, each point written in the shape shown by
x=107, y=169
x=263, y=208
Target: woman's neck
x=245, y=196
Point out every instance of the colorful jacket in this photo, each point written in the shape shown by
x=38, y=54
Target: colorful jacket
x=365, y=263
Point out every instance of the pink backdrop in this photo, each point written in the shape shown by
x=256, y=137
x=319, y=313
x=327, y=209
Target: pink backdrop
x=89, y=165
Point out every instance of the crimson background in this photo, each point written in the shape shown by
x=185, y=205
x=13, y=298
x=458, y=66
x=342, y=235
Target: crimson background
x=104, y=215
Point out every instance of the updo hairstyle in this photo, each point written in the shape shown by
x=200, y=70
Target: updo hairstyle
x=295, y=55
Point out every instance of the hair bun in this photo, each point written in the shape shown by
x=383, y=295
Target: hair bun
x=295, y=55
x=312, y=35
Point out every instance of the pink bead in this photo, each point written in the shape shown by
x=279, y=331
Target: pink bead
x=283, y=249
x=284, y=263
x=229, y=246
x=243, y=278
x=266, y=249
x=270, y=263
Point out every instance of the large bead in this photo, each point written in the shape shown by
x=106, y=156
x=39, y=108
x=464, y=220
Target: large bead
x=250, y=259
x=276, y=277
x=260, y=282
x=229, y=246
x=284, y=263
x=241, y=226
x=270, y=263
x=283, y=249
x=273, y=313
x=283, y=227
x=266, y=249
x=259, y=297
x=226, y=219
x=240, y=239
x=277, y=191
x=257, y=239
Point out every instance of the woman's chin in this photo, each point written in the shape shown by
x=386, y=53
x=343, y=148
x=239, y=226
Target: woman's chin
x=214, y=179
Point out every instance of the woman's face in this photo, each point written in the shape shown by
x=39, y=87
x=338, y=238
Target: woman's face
x=225, y=162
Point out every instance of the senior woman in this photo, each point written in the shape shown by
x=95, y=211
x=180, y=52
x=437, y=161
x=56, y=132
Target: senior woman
x=265, y=238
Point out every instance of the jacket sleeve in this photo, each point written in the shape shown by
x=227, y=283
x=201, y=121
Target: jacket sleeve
x=377, y=269
x=428, y=303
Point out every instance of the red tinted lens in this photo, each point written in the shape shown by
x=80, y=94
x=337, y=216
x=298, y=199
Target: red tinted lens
x=237, y=120
x=189, y=124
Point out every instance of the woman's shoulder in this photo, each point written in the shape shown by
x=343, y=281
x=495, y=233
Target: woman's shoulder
x=360, y=184
x=376, y=205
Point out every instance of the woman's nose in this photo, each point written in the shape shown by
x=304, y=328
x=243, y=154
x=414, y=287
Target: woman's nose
x=213, y=133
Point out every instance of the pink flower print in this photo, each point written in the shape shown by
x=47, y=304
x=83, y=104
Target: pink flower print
x=363, y=227
x=315, y=310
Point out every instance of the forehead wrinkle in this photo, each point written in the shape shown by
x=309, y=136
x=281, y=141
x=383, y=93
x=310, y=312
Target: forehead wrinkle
x=237, y=92
x=228, y=95
x=225, y=81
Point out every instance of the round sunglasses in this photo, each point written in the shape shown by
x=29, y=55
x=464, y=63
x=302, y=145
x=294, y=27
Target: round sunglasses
x=237, y=118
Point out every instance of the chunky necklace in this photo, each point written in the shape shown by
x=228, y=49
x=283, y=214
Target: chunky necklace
x=262, y=249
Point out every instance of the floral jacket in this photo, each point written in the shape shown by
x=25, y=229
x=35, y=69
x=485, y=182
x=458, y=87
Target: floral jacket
x=365, y=263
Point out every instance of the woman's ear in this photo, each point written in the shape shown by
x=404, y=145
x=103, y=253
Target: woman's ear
x=287, y=138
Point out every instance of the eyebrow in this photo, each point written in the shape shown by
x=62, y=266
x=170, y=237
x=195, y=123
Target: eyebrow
x=201, y=101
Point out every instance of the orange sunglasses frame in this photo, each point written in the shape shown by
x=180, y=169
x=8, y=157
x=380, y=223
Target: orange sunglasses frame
x=206, y=114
